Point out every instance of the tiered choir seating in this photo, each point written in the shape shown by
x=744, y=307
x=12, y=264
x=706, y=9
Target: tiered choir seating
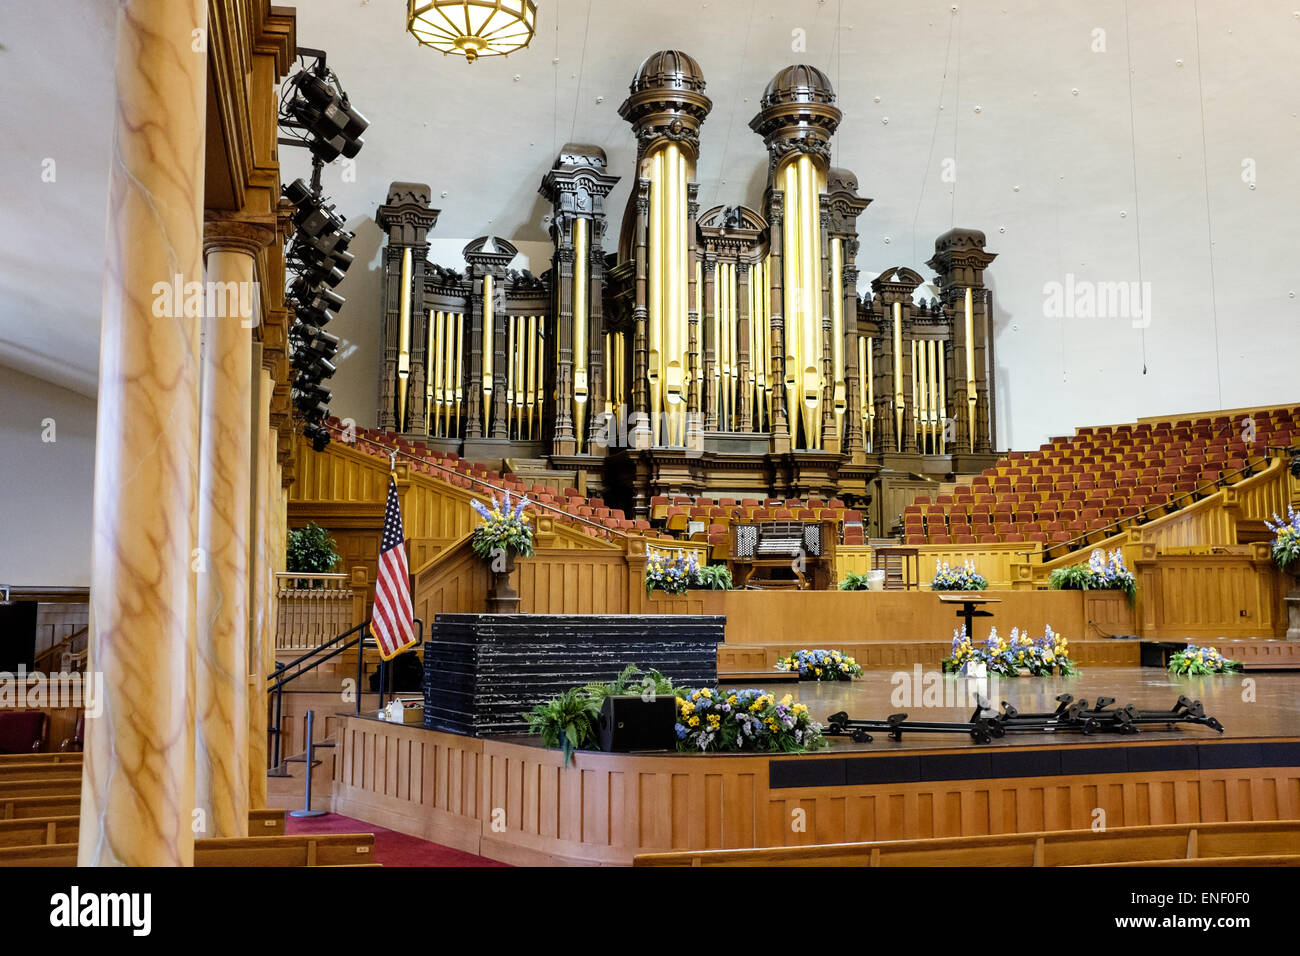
x=1078, y=490
x=591, y=515
x=701, y=519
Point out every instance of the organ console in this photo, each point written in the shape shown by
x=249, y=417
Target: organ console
x=725, y=349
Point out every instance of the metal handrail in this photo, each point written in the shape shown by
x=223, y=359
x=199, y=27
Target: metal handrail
x=280, y=679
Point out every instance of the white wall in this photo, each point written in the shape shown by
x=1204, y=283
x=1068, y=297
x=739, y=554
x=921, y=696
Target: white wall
x=45, y=486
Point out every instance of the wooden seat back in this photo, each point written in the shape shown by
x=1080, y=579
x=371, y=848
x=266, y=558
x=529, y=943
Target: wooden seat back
x=1188, y=843
x=41, y=784
x=321, y=849
x=21, y=808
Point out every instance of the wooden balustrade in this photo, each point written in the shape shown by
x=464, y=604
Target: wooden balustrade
x=314, y=608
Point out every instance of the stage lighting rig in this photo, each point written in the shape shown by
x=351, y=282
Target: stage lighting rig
x=315, y=113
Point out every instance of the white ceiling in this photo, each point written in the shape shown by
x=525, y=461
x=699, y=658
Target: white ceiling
x=1048, y=135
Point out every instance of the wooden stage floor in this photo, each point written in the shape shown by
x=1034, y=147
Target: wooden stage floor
x=1257, y=704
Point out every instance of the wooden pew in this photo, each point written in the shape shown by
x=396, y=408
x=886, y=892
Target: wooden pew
x=21, y=808
x=39, y=831
x=63, y=828
x=1181, y=843
x=17, y=763
x=321, y=849
x=38, y=784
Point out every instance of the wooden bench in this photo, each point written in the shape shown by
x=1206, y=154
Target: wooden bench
x=1178, y=842
x=63, y=828
x=322, y=849
x=37, y=784
x=11, y=763
x=21, y=808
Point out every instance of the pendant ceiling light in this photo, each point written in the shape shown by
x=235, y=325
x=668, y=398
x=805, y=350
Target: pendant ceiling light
x=472, y=28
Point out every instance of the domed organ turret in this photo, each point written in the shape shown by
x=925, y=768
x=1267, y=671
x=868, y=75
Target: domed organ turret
x=666, y=105
x=797, y=118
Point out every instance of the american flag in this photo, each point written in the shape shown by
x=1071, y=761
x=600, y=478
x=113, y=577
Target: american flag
x=392, y=620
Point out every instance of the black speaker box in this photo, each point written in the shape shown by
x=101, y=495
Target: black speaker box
x=631, y=723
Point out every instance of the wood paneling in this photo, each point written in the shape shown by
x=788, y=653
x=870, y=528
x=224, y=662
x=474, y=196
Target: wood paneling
x=522, y=804
x=1211, y=596
x=826, y=618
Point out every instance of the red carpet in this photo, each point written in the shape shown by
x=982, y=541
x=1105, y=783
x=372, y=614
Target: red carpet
x=391, y=848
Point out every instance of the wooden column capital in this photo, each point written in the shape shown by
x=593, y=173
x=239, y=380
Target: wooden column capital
x=233, y=234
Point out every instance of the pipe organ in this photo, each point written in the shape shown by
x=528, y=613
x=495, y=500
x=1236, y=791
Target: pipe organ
x=731, y=332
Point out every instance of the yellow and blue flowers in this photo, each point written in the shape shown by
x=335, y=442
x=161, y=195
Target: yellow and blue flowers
x=672, y=572
x=709, y=720
x=506, y=527
x=820, y=665
x=1286, y=539
x=1049, y=654
x=964, y=578
x=1200, y=661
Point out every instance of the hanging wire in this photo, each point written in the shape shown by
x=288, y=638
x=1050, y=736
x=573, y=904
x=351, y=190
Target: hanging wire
x=1209, y=221
x=1137, y=203
x=934, y=136
x=735, y=109
x=581, y=66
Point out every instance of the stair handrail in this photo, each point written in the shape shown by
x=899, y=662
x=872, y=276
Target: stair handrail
x=281, y=677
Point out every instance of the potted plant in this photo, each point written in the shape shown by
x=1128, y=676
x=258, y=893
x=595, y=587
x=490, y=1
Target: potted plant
x=505, y=532
x=311, y=550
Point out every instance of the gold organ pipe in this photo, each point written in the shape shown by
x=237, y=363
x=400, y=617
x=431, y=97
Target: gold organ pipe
x=936, y=423
x=510, y=373
x=656, y=287
x=460, y=358
x=534, y=385
x=432, y=358
x=899, y=409
x=766, y=342
x=923, y=347
x=837, y=333
x=916, y=398
x=871, y=389
x=697, y=380
x=489, y=347
x=972, y=397
x=943, y=399
x=862, y=392
x=404, y=339
x=810, y=260
x=581, y=291
x=791, y=292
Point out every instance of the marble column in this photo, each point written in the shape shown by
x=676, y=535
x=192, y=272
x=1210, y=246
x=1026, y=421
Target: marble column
x=225, y=463
x=261, y=578
x=137, y=794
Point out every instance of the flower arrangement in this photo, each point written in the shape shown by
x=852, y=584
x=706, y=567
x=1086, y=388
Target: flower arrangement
x=505, y=528
x=1103, y=572
x=1196, y=661
x=1286, y=538
x=820, y=665
x=1049, y=654
x=676, y=572
x=670, y=572
x=744, y=720
x=853, y=581
x=964, y=578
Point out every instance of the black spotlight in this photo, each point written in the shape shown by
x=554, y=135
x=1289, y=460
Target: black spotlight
x=318, y=435
x=332, y=126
